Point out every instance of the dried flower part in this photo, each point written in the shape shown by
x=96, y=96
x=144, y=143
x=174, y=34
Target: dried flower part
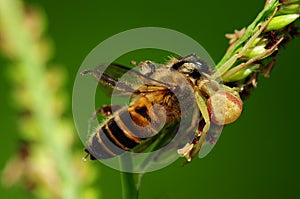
x=224, y=107
x=235, y=36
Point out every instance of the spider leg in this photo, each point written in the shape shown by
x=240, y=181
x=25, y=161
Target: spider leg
x=190, y=150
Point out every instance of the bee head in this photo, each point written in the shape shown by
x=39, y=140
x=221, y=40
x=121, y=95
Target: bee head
x=192, y=67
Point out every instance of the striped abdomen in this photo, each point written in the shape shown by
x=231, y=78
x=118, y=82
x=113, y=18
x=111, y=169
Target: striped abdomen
x=126, y=129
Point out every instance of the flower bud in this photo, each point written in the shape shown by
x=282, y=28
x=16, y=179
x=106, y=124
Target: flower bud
x=256, y=48
x=224, y=107
x=242, y=74
x=259, y=42
x=281, y=21
x=289, y=8
x=255, y=51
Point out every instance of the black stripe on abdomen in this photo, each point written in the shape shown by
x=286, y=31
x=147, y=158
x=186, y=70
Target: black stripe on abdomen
x=142, y=111
x=117, y=136
x=100, y=147
x=140, y=132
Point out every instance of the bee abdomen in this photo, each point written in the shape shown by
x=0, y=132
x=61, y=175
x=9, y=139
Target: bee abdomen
x=110, y=140
x=118, y=136
x=123, y=132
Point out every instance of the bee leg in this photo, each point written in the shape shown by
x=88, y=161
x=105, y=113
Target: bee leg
x=106, y=110
x=147, y=67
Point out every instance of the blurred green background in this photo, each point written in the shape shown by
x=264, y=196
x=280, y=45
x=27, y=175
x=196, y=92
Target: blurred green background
x=256, y=157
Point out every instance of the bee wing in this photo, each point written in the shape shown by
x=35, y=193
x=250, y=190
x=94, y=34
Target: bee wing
x=126, y=80
x=116, y=70
x=108, y=76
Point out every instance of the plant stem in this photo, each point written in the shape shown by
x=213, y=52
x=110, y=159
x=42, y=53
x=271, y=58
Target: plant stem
x=129, y=187
x=30, y=64
x=249, y=31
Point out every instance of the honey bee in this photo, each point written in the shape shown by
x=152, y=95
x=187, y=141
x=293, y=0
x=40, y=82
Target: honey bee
x=161, y=97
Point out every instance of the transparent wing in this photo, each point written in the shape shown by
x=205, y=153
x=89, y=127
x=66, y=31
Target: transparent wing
x=127, y=80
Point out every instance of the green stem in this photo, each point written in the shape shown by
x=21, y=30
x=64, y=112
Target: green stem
x=268, y=10
x=225, y=67
x=129, y=187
